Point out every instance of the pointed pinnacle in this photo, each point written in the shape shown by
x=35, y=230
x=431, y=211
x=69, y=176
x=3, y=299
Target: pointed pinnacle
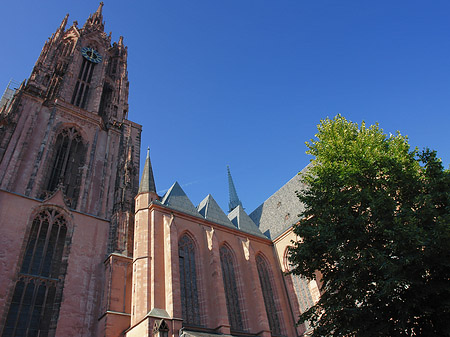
x=234, y=199
x=99, y=9
x=147, y=181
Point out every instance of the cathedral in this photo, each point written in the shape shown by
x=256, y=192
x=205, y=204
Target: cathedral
x=88, y=249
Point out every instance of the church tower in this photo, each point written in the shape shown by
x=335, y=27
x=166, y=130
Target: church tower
x=67, y=128
x=69, y=166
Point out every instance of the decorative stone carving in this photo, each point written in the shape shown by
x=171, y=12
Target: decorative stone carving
x=209, y=236
x=246, y=248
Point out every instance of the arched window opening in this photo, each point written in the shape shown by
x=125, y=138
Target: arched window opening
x=268, y=295
x=67, y=165
x=161, y=329
x=188, y=282
x=36, y=300
x=231, y=290
x=81, y=91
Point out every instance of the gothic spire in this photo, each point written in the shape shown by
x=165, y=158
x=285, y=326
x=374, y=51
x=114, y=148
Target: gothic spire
x=99, y=9
x=234, y=199
x=147, y=181
x=96, y=20
x=64, y=22
x=60, y=31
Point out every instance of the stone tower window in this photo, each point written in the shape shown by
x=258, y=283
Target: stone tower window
x=188, y=282
x=81, y=91
x=67, y=164
x=268, y=294
x=36, y=299
x=231, y=290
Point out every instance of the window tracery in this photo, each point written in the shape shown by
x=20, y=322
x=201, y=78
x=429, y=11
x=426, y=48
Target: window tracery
x=36, y=298
x=67, y=165
x=81, y=91
x=161, y=329
x=188, y=282
x=231, y=290
x=268, y=295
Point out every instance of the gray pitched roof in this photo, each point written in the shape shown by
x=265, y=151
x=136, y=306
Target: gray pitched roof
x=242, y=221
x=176, y=198
x=210, y=210
x=281, y=210
x=147, y=183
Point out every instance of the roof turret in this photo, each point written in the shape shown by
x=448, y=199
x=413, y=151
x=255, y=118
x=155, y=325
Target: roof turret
x=147, y=181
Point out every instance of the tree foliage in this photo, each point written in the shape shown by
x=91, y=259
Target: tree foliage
x=376, y=226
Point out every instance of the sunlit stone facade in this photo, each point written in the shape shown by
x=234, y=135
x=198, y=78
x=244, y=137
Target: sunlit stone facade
x=87, y=251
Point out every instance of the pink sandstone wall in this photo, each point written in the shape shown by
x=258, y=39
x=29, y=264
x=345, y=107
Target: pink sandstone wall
x=79, y=309
x=156, y=275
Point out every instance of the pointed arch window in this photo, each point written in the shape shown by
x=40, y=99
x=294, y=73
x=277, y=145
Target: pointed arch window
x=67, y=165
x=81, y=91
x=188, y=282
x=231, y=290
x=35, y=303
x=268, y=295
x=161, y=329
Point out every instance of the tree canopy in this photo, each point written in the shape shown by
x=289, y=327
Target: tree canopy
x=376, y=226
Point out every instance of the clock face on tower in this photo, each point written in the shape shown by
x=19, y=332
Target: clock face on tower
x=91, y=54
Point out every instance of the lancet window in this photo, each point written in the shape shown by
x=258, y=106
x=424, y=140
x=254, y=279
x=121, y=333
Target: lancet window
x=268, y=295
x=67, y=164
x=231, y=290
x=188, y=282
x=81, y=91
x=37, y=294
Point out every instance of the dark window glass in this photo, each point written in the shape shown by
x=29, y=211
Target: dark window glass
x=268, y=294
x=188, y=282
x=68, y=161
x=231, y=291
x=33, y=302
x=81, y=91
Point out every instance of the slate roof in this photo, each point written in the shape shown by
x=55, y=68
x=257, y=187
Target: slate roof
x=243, y=222
x=176, y=198
x=210, y=210
x=281, y=210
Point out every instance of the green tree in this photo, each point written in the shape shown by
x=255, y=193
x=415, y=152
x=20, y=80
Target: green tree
x=377, y=226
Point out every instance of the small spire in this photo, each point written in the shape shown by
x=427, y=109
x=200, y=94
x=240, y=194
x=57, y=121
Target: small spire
x=99, y=9
x=64, y=22
x=60, y=31
x=95, y=20
x=234, y=199
x=147, y=181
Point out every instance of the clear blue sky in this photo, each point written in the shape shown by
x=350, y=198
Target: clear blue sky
x=245, y=82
